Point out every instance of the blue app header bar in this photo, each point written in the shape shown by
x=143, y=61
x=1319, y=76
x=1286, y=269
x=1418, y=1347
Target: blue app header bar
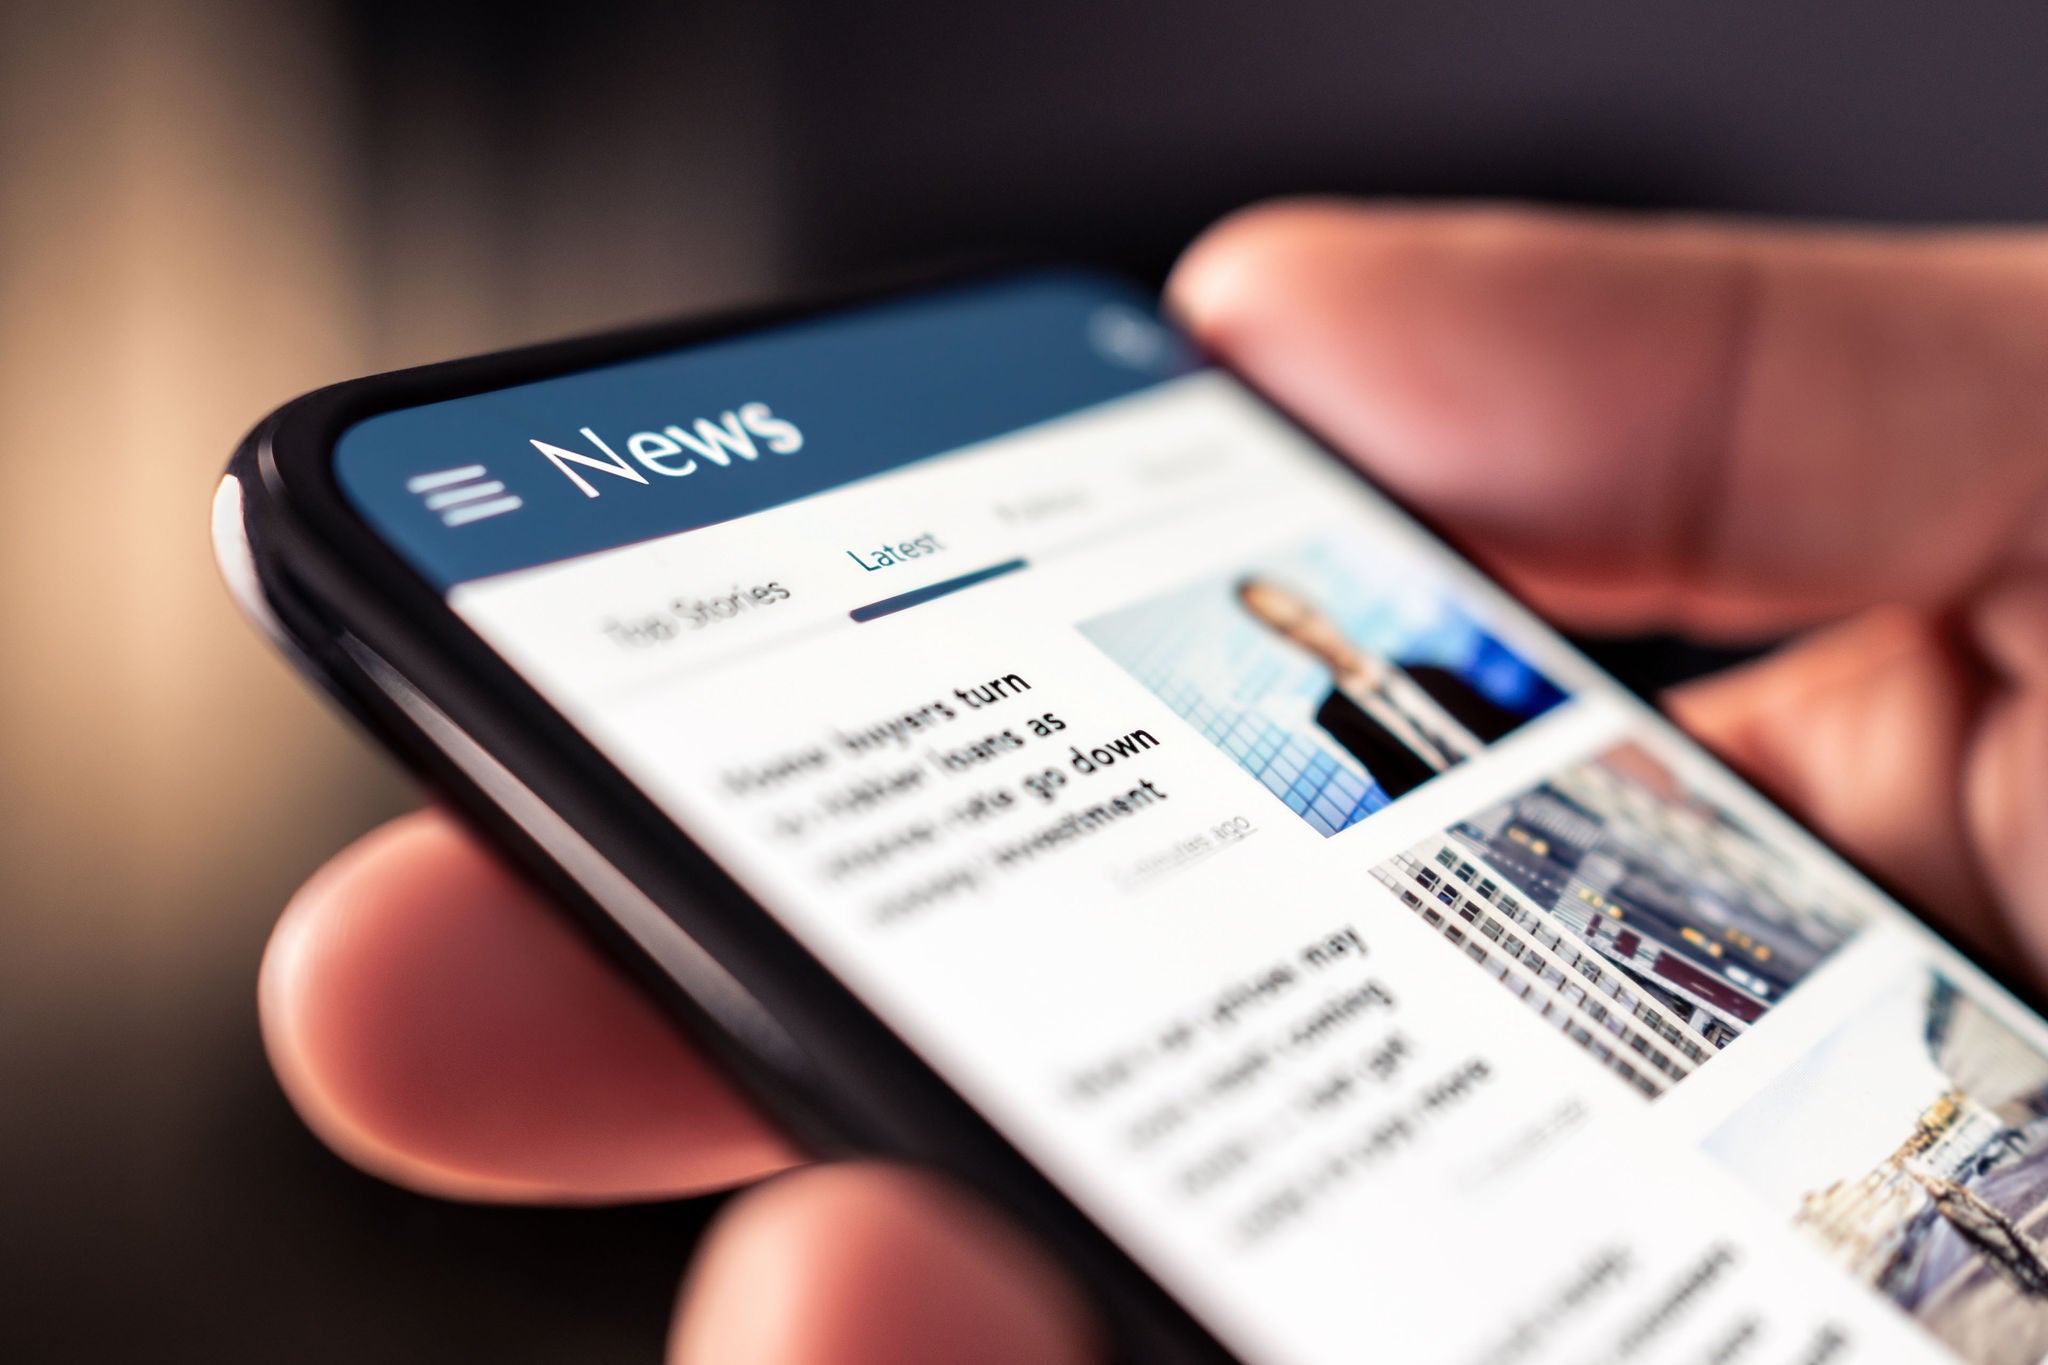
x=588, y=461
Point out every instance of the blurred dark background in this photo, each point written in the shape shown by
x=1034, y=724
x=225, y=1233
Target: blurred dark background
x=207, y=207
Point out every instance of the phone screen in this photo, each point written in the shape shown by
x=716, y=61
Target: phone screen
x=1384, y=978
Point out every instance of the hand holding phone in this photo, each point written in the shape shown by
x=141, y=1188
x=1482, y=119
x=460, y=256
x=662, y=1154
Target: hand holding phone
x=1500, y=365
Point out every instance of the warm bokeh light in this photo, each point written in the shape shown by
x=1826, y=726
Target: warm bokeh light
x=196, y=224
x=209, y=206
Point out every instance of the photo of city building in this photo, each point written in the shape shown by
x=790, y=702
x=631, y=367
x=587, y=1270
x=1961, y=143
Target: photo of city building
x=1340, y=677
x=1912, y=1147
x=1642, y=920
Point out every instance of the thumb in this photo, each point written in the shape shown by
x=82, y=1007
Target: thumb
x=1718, y=428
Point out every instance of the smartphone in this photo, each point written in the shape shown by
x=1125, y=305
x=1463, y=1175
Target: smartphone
x=1010, y=744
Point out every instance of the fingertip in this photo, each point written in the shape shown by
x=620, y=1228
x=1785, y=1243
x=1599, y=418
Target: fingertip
x=846, y=1265
x=439, y=1025
x=1863, y=730
x=1522, y=374
x=1252, y=255
x=1269, y=268
x=295, y=978
x=2006, y=791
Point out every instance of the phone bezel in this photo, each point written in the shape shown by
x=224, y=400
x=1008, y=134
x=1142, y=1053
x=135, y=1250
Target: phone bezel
x=866, y=1090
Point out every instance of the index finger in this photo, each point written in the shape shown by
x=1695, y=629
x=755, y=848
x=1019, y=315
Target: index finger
x=441, y=1025
x=1729, y=429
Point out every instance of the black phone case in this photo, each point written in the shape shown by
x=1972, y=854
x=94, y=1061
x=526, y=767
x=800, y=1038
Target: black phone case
x=385, y=646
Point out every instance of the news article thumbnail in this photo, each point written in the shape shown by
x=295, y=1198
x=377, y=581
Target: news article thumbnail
x=1636, y=916
x=1340, y=678
x=1911, y=1146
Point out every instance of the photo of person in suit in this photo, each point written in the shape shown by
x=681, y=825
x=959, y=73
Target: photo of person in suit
x=1340, y=673
x=1404, y=723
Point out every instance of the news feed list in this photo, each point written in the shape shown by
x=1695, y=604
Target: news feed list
x=1385, y=980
